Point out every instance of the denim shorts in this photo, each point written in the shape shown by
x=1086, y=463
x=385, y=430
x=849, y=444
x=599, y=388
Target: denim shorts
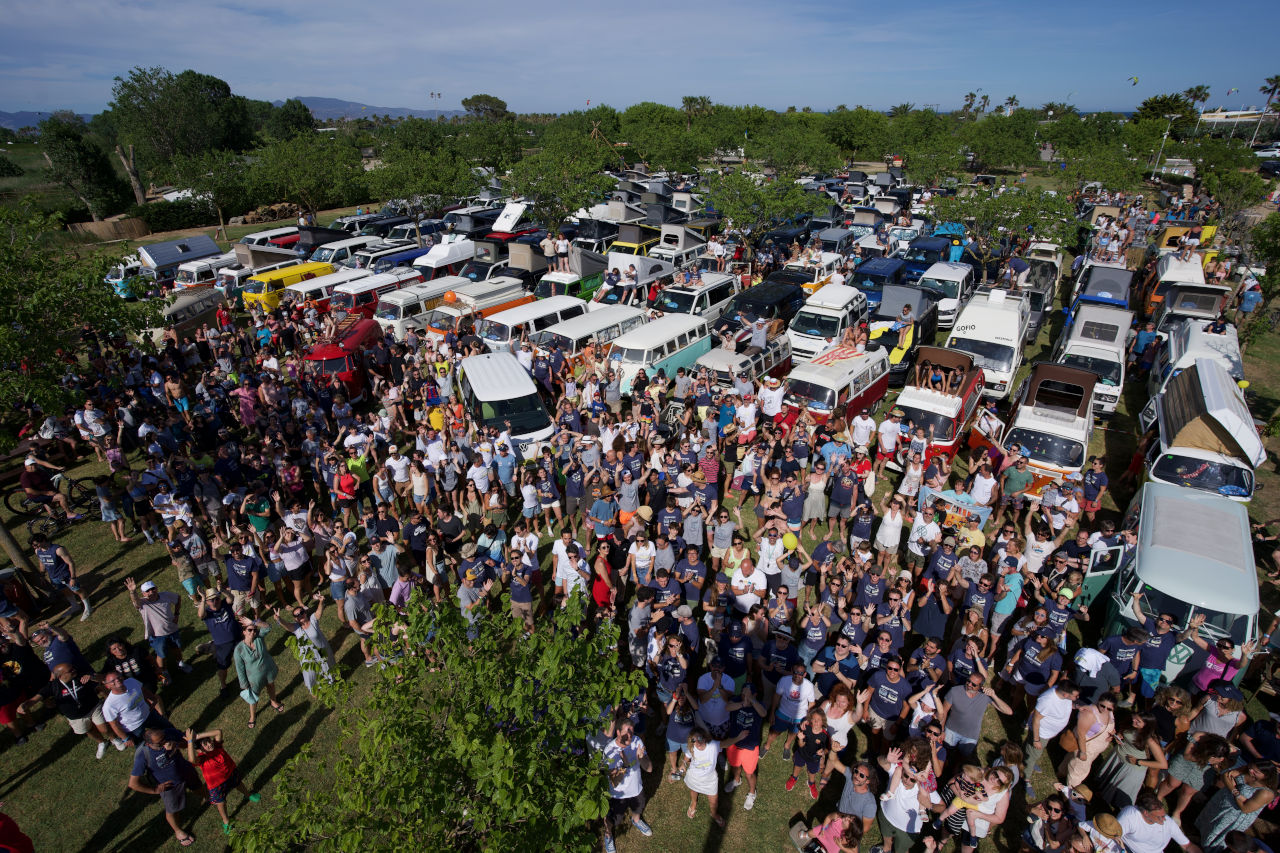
x=158, y=644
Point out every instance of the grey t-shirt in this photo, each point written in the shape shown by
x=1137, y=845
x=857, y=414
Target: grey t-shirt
x=637, y=619
x=694, y=529
x=861, y=805
x=722, y=534
x=628, y=496
x=965, y=716
x=468, y=595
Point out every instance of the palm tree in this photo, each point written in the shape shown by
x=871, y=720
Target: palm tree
x=1010, y=104
x=968, y=102
x=905, y=108
x=1271, y=88
x=695, y=105
x=984, y=103
x=1058, y=108
x=1197, y=94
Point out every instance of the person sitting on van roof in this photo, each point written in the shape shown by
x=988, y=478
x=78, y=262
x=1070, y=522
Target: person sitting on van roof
x=1217, y=326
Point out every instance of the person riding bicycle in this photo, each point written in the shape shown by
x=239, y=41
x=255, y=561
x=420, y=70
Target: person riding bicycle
x=40, y=489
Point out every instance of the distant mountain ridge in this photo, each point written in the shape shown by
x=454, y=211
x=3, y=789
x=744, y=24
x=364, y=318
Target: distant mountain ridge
x=27, y=118
x=330, y=109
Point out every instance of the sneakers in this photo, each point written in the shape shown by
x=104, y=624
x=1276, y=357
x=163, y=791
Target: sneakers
x=750, y=801
x=184, y=666
x=763, y=752
x=120, y=744
x=102, y=749
x=676, y=776
x=226, y=829
x=786, y=754
x=731, y=785
x=609, y=846
x=253, y=798
x=813, y=791
x=876, y=849
x=645, y=829
x=75, y=516
x=87, y=610
x=791, y=783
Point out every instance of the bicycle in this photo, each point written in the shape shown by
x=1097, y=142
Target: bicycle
x=80, y=494
x=49, y=525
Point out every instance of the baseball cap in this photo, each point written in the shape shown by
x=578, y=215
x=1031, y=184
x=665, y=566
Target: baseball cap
x=147, y=586
x=684, y=612
x=1066, y=593
x=1226, y=690
x=722, y=577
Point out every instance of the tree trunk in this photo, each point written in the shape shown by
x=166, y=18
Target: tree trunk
x=131, y=169
x=27, y=574
x=92, y=213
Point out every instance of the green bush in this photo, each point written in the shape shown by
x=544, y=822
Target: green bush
x=174, y=215
x=9, y=169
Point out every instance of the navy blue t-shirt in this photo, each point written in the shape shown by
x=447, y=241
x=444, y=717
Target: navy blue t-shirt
x=745, y=719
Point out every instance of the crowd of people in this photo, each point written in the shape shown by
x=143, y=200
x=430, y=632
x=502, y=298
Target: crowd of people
x=789, y=601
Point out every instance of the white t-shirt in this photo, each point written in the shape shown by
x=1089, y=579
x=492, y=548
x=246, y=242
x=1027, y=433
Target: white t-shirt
x=1037, y=552
x=1142, y=837
x=644, y=555
x=130, y=708
x=770, y=554
x=701, y=775
x=890, y=434
x=628, y=758
x=564, y=563
x=902, y=807
x=399, y=468
x=1055, y=713
x=922, y=531
x=770, y=401
x=756, y=581
x=794, y=699
x=862, y=428
x=982, y=489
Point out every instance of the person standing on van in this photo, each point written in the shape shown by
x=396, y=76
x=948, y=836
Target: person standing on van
x=548, y=246
x=562, y=252
x=1095, y=486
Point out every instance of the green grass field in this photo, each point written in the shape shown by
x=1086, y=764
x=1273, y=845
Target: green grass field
x=68, y=801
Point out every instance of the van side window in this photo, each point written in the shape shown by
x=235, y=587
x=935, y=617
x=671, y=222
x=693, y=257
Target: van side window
x=626, y=326
x=572, y=311
x=411, y=309
x=540, y=323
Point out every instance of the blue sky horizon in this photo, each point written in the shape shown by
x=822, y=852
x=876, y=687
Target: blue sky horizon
x=571, y=52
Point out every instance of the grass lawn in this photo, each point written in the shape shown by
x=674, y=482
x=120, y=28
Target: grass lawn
x=34, y=180
x=68, y=801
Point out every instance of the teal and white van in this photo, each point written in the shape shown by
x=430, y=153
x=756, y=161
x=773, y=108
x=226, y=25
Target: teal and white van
x=668, y=343
x=1193, y=555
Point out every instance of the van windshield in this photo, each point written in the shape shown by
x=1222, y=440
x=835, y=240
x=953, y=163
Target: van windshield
x=1233, y=625
x=546, y=339
x=1049, y=449
x=801, y=392
x=808, y=322
x=949, y=289
x=1108, y=371
x=1204, y=474
x=324, y=254
x=388, y=311
x=988, y=354
x=922, y=254
x=330, y=366
x=526, y=414
x=475, y=270
x=495, y=331
x=439, y=319
x=676, y=301
x=944, y=427
x=187, y=277
x=253, y=286
x=343, y=301
x=629, y=355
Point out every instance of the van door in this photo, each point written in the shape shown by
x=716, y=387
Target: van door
x=1103, y=564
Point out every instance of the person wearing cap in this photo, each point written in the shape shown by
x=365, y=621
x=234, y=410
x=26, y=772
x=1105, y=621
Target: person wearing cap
x=862, y=427
x=214, y=609
x=844, y=488
x=60, y=568
x=472, y=596
x=888, y=438
x=39, y=488
x=736, y=651
x=778, y=654
x=1100, y=835
x=625, y=757
x=159, y=612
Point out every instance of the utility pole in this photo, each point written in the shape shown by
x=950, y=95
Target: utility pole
x=1163, y=140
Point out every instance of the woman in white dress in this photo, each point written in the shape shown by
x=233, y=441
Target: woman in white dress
x=842, y=713
x=700, y=775
x=892, y=517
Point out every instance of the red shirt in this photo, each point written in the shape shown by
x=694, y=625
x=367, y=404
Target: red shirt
x=216, y=766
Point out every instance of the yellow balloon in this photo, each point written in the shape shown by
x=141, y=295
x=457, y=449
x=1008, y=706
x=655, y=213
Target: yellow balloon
x=789, y=541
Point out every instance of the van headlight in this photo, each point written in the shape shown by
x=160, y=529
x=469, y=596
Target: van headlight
x=999, y=386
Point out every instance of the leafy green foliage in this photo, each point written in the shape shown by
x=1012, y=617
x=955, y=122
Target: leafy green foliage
x=999, y=140
x=562, y=178
x=751, y=205
x=794, y=145
x=486, y=107
x=1234, y=191
x=78, y=163
x=1159, y=107
x=217, y=178
x=1109, y=165
x=312, y=171
x=45, y=297
x=991, y=218
x=488, y=754
x=289, y=119
x=423, y=179
x=495, y=144
x=164, y=115
x=859, y=133
x=173, y=215
x=10, y=169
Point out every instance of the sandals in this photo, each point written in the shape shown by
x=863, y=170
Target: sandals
x=277, y=707
x=693, y=810
x=250, y=724
x=187, y=840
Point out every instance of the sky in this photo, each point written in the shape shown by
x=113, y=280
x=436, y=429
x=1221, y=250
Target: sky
x=557, y=55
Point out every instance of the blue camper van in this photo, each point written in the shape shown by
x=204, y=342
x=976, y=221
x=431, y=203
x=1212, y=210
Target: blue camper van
x=161, y=260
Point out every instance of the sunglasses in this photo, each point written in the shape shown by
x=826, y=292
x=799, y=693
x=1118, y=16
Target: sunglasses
x=894, y=669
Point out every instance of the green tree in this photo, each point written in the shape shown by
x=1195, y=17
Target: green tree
x=46, y=294
x=1058, y=109
x=990, y=218
x=312, y=171
x=9, y=169
x=1197, y=95
x=793, y=146
x=219, y=176
x=563, y=178
x=999, y=140
x=859, y=133
x=1160, y=107
x=77, y=162
x=289, y=119
x=159, y=115
x=492, y=143
x=1235, y=192
x=930, y=159
x=424, y=180
x=1010, y=104
x=486, y=107
x=1109, y=165
x=695, y=106
x=751, y=204
x=491, y=753
x=905, y=108
x=1270, y=88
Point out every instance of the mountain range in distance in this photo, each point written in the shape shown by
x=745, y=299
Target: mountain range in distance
x=324, y=109
x=331, y=109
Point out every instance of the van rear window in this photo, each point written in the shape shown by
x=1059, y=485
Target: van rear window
x=1095, y=331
